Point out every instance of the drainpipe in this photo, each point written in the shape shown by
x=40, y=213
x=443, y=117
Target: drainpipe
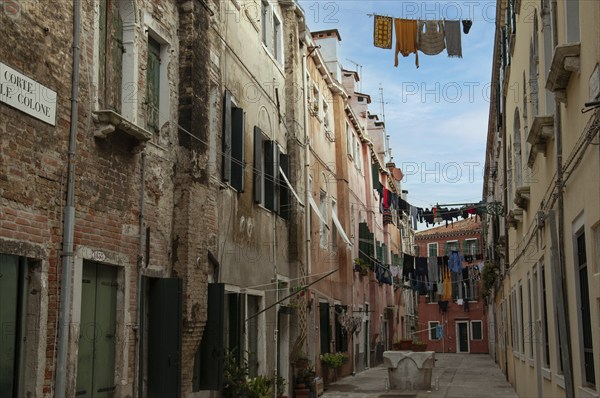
x=137, y=385
x=276, y=279
x=64, y=315
x=506, y=227
x=307, y=236
x=566, y=353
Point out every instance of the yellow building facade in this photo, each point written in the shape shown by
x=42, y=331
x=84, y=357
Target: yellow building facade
x=543, y=166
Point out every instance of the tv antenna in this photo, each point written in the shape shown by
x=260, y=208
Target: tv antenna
x=358, y=68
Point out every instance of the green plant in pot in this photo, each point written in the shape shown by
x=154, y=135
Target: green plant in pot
x=419, y=346
x=361, y=266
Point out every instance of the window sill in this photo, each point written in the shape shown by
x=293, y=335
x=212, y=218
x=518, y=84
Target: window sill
x=108, y=122
x=560, y=380
x=277, y=63
x=547, y=374
x=530, y=361
x=586, y=392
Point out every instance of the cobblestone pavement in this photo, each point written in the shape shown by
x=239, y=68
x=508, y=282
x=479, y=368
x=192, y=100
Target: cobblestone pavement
x=454, y=375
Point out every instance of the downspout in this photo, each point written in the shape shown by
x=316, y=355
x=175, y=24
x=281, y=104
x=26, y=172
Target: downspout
x=307, y=237
x=137, y=385
x=276, y=320
x=506, y=227
x=64, y=315
x=567, y=354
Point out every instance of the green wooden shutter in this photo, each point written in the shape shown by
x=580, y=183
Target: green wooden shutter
x=226, y=137
x=208, y=362
x=258, y=165
x=115, y=75
x=153, y=84
x=102, y=39
x=9, y=299
x=284, y=191
x=375, y=175
x=271, y=155
x=238, y=158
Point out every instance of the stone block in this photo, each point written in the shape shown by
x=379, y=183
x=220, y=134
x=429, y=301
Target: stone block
x=408, y=370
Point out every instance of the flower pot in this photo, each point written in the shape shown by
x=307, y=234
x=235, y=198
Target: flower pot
x=419, y=347
x=403, y=345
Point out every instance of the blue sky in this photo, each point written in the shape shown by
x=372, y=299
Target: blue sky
x=436, y=116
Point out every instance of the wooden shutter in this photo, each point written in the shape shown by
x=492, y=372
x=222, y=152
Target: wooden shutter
x=375, y=175
x=271, y=175
x=102, y=36
x=208, y=364
x=115, y=67
x=238, y=158
x=258, y=165
x=153, y=84
x=284, y=191
x=226, y=137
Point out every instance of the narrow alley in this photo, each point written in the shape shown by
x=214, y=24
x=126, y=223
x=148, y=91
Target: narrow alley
x=454, y=375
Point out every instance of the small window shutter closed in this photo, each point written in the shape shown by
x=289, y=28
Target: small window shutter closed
x=258, y=164
x=115, y=76
x=284, y=191
x=375, y=175
x=271, y=175
x=238, y=159
x=226, y=139
x=153, y=83
x=102, y=37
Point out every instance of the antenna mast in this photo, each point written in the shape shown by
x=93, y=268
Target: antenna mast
x=358, y=68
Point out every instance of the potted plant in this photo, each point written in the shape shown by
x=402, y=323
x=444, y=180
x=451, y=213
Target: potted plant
x=402, y=345
x=333, y=361
x=361, y=266
x=419, y=346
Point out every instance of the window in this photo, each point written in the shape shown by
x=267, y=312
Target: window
x=110, y=56
x=597, y=249
x=325, y=115
x=521, y=319
x=264, y=14
x=358, y=158
x=341, y=335
x=433, y=330
x=451, y=245
x=277, y=39
x=349, y=137
x=323, y=229
x=471, y=246
x=316, y=100
x=572, y=21
x=585, y=319
x=153, y=85
x=545, y=318
x=334, y=233
x=270, y=189
x=531, y=328
x=432, y=249
x=233, y=165
x=476, y=330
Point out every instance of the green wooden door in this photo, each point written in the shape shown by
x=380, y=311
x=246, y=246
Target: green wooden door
x=9, y=304
x=96, y=353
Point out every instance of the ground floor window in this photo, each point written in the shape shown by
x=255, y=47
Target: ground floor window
x=476, y=330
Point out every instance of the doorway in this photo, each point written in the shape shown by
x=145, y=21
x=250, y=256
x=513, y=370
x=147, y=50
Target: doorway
x=96, y=352
x=462, y=336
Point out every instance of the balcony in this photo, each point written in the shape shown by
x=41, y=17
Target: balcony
x=108, y=122
x=541, y=131
x=514, y=217
x=564, y=62
x=522, y=196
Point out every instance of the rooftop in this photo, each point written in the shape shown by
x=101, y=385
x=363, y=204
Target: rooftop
x=467, y=225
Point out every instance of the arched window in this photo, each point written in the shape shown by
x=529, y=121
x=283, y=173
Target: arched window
x=509, y=177
x=517, y=149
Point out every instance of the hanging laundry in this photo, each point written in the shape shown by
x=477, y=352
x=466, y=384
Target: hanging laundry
x=467, y=23
x=387, y=216
x=443, y=306
x=406, y=38
x=382, y=32
x=439, y=332
x=414, y=215
x=432, y=269
x=430, y=39
x=455, y=261
x=453, y=38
